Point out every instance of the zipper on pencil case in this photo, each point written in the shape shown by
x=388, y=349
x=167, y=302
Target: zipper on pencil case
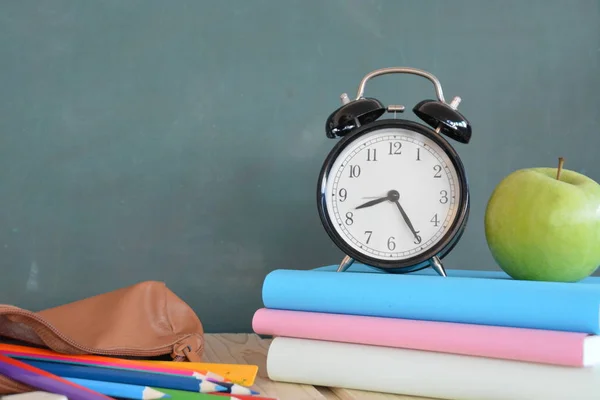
x=180, y=350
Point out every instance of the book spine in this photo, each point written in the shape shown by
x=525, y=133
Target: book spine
x=529, y=345
x=501, y=302
x=424, y=373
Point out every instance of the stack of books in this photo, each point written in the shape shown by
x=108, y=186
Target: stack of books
x=472, y=335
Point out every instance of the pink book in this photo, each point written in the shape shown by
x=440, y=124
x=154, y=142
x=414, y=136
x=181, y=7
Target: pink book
x=530, y=345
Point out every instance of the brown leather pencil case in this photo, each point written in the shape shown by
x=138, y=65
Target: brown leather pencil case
x=145, y=320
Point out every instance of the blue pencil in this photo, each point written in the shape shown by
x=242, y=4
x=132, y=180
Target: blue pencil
x=121, y=390
x=187, y=383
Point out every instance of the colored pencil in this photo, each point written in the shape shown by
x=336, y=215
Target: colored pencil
x=243, y=396
x=127, y=376
x=45, y=381
x=46, y=374
x=120, y=390
x=102, y=364
x=183, y=395
x=20, y=352
x=234, y=388
x=208, y=374
x=25, y=352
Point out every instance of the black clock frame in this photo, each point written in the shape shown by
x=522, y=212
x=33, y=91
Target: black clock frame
x=419, y=261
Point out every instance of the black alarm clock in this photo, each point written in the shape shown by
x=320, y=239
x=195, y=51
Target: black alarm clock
x=392, y=193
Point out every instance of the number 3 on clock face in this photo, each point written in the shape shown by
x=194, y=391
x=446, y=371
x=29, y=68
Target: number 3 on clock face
x=393, y=195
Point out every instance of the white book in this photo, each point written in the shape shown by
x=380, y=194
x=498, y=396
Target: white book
x=425, y=373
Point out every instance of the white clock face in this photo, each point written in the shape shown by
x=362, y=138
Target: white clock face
x=413, y=190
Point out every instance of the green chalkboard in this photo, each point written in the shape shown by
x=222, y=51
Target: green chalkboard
x=181, y=140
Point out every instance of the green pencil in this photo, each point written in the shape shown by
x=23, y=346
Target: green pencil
x=185, y=395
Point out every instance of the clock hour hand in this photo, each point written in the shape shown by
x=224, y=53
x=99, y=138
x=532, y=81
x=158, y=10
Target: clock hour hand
x=373, y=202
x=392, y=196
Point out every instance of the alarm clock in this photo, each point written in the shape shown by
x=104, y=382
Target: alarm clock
x=393, y=193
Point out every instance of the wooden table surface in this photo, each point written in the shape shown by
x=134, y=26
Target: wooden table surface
x=241, y=348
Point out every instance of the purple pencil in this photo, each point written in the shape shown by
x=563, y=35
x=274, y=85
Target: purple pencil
x=45, y=381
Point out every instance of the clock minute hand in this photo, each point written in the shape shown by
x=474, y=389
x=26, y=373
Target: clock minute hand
x=407, y=220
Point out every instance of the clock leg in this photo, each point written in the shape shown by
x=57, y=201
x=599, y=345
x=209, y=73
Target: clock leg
x=436, y=264
x=345, y=264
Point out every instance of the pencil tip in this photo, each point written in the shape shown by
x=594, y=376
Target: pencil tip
x=153, y=394
x=220, y=388
x=215, y=376
x=236, y=389
x=207, y=386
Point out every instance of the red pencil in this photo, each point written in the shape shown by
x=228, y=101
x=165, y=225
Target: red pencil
x=30, y=352
x=43, y=380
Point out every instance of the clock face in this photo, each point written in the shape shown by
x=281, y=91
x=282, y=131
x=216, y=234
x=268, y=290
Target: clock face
x=392, y=194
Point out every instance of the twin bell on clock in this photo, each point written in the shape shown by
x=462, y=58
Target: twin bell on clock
x=393, y=193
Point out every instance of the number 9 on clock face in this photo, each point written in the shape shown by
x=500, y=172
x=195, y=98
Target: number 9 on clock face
x=393, y=195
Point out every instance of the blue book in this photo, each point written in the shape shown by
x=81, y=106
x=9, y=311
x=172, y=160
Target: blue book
x=131, y=377
x=472, y=297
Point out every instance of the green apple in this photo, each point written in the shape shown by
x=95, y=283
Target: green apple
x=542, y=228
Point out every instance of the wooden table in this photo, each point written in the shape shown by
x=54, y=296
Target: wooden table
x=241, y=348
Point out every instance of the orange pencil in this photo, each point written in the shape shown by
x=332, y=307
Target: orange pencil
x=23, y=351
x=179, y=368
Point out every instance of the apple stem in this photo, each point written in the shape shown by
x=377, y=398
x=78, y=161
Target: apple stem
x=561, y=161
